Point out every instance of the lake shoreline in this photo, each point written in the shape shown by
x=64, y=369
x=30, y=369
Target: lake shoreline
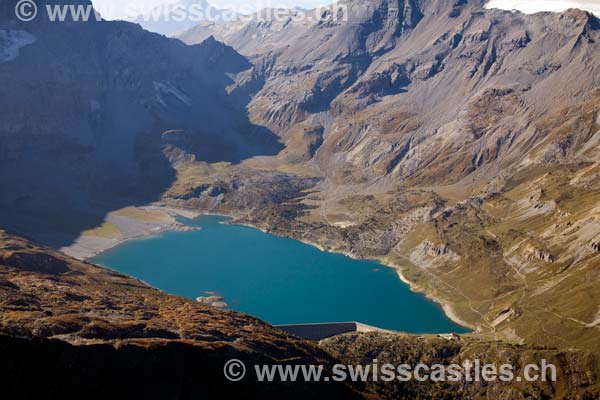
x=446, y=306
x=88, y=246
x=100, y=245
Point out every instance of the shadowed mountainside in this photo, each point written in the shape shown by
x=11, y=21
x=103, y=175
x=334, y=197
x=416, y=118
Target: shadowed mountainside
x=95, y=115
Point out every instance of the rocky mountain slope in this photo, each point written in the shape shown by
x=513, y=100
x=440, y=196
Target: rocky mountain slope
x=95, y=115
x=409, y=89
x=76, y=328
x=456, y=143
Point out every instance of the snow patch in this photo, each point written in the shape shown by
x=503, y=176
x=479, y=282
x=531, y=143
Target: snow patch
x=11, y=41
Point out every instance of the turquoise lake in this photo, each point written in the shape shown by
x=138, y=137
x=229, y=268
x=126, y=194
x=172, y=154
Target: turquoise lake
x=279, y=280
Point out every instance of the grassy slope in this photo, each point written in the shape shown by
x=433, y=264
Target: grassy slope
x=114, y=336
x=362, y=349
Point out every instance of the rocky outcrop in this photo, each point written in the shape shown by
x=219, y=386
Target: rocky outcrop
x=436, y=251
x=535, y=254
x=213, y=301
x=245, y=190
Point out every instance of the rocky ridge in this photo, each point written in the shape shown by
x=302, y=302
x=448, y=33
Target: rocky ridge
x=108, y=332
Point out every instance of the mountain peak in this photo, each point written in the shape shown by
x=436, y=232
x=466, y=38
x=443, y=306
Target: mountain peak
x=577, y=15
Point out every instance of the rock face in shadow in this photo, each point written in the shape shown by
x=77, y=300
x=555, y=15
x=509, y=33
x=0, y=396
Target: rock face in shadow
x=94, y=114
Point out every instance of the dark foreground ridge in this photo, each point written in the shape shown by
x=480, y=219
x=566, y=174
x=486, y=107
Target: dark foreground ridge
x=69, y=329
